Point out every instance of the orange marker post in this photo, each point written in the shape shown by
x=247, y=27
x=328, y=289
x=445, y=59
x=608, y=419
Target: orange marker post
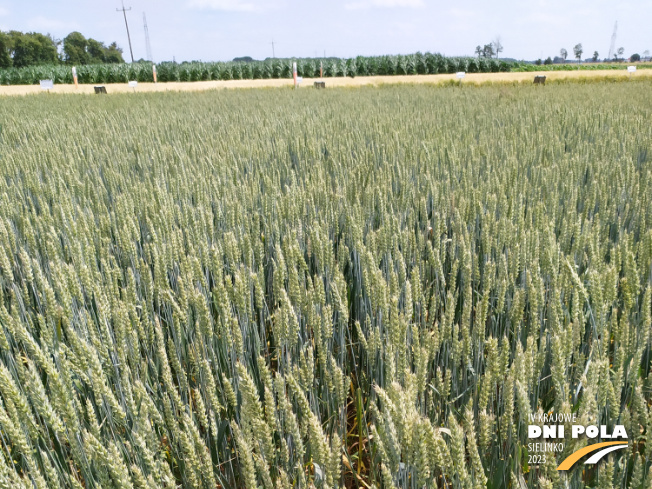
x=74, y=76
x=294, y=74
x=154, y=72
x=321, y=69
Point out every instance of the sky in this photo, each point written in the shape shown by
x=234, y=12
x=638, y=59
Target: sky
x=213, y=30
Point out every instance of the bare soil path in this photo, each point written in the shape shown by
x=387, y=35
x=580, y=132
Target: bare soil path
x=470, y=78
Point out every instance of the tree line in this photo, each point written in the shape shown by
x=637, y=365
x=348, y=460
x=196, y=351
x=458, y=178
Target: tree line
x=22, y=49
x=494, y=48
x=578, y=50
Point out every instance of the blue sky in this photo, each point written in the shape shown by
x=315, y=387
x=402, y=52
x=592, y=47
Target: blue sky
x=222, y=29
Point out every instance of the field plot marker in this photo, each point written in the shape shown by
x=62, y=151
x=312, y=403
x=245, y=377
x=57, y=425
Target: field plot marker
x=133, y=84
x=631, y=70
x=74, y=76
x=297, y=79
x=46, y=85
x=460, y=75
x=154, y=73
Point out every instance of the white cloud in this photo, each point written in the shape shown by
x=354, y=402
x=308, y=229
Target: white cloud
x=228, y=5
x=367, y=4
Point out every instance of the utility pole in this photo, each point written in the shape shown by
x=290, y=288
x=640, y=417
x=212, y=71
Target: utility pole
x=147, y=44
x=612, y=47
x=124, y=12
x=273, y=54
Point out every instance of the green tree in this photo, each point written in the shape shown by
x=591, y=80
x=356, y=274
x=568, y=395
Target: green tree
x=577, y=51
x=619, y=53
x=113, y=54
x=564, y=53
x=596, y=55
x=635, y=57
x=548, y=61
x=5, y=50
x=96, y=51
x=32, y=48
x=74, y=49
x=20, y=49
x=81, y=51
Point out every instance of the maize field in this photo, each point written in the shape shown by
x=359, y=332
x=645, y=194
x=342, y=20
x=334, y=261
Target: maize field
x=411, y=64
x=342, y=288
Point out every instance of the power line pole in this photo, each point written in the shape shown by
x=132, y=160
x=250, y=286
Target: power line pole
x=124, y=12
x=612, y=47
x=147, y=44
x=273, y=54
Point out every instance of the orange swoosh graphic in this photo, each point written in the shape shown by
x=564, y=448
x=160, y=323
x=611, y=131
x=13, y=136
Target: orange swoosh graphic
x=575, y=456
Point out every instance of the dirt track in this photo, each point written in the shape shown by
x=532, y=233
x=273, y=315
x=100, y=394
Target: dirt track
x=330, y=82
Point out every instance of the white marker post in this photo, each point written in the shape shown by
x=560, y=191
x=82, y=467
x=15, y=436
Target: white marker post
x=631, y=70
x=294, y=74
x=154, y=72
x=74, y=76
x=133, y=84
x=460, y=75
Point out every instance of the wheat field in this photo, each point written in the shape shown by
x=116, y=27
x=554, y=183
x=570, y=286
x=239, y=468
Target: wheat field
x=323, y=288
